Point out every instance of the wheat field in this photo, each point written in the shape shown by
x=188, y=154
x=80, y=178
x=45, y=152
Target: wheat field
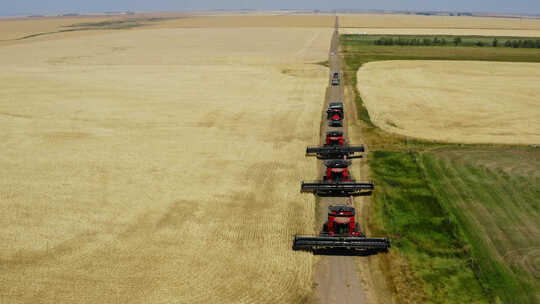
x=158, y=165
x=396, y=24
x=454, y=101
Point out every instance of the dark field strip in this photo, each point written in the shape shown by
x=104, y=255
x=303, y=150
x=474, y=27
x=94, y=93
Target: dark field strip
x=444, y=40
x=123, y=24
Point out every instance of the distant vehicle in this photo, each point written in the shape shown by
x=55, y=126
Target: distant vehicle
x=335, y=79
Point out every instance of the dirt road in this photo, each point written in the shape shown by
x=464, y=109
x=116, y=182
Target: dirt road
x=336, y=276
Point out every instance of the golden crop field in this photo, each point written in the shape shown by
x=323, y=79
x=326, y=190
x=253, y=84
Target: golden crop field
x=251, y=20
x=454, y=101
x=17, y=30
x=159, y=165
x=438, y=25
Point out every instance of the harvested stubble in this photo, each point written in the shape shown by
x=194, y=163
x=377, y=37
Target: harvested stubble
x=443, y=31
x=420, y=21
x=454, y=101
x=158, y=166
x=396, y=24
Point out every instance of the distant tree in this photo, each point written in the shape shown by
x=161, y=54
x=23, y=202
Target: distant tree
x=426, y=41
x=538, y=44
x=443, y=41
x=515, y=44
x=457, y=41
x=508, y=43
x=495, y=42
x=479, y=43
x=529, y=44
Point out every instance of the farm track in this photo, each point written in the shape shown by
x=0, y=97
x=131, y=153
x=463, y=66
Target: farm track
x=336, y=277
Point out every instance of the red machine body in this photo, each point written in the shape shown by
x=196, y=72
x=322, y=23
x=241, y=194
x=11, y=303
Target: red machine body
x=335, y=114
x=334, y=138
x=337, y=174
x=337, y=170
x=341, y=222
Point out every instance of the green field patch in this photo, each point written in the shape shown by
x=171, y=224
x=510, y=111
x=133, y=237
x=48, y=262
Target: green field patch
x=423, y=230
x=497, y=206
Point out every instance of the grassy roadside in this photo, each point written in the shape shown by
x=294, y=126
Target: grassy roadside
x=423, y=230
x=454, y=257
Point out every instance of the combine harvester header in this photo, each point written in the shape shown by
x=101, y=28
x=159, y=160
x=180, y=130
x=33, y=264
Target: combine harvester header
x=337, y=189
x=337, y=182
x=340, y=232
x=334, y=152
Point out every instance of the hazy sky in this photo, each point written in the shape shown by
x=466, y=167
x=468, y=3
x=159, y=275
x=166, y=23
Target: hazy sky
x=15, y=7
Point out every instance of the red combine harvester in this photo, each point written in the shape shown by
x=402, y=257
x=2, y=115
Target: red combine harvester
x=337, y=182
x=334, y=138
x=334, y=114
x=340, y=231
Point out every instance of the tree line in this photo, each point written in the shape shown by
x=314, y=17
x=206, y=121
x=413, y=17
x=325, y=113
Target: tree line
x=436, y=41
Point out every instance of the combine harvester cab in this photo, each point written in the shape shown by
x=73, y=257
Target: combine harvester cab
x=340, y=232
x=337, y=182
